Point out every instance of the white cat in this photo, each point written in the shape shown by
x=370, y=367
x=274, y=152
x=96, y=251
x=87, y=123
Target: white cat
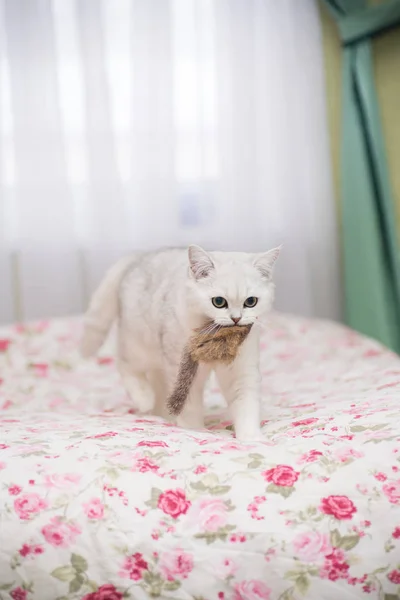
x=158, y=299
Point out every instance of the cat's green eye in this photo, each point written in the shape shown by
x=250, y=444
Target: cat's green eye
x=250, y=302
x=219, y=302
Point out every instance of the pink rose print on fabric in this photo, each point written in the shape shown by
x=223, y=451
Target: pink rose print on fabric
x=376, y=435
x=309, y=547
x=394, y=576
x=251, y=590
x=310, y=456
x=94, y=509
x=40, y=369
x=325, y=502
x=226, y=569
x=62, y=480
x=340, y=507
x=174, y=503
x=335, y=566
x=282, y=475
x=106, y=434
x=175, y=564
x=255, y=506
x=209, y=514
x=134, y=566
x=345, y=454
x=200, y=469
x=396, y=533
x=60, y=533
x=14, y=490
x=105, y=592
x=232, y=445
x=28, y=505
x=305, y=422
x=28, y=549
x=4, y=345
x=144, y=465
x=105, y=360
x=153, y=444
x=18, y=594
x=392, y=491
x=372, y=352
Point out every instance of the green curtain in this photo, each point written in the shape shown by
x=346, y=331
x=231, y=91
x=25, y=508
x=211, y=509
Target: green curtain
x=370, y=245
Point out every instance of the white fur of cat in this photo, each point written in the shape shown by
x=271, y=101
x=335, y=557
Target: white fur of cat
x=158, y=299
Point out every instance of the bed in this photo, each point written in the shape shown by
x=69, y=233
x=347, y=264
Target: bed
x=97, y=503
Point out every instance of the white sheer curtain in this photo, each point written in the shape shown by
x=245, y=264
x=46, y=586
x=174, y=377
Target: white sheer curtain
x=133, y=124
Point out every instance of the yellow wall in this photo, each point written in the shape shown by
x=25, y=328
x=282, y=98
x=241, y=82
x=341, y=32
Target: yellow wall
x=333, y=79
x=386, y=49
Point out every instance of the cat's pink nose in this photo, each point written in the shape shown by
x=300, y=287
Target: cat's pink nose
x=236, y=319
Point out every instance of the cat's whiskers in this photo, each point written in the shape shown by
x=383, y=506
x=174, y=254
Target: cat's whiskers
x=215, y=330
x=208, y=328
x=218, y=327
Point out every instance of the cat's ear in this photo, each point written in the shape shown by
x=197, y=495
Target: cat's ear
x=265, y=262
x=200, y=262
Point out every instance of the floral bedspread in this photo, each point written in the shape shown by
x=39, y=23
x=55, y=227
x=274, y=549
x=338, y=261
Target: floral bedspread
x=99, y=504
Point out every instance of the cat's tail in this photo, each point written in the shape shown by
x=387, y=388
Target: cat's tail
x=103, y=308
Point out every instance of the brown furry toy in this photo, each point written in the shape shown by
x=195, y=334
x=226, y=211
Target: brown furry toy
x=207, y=347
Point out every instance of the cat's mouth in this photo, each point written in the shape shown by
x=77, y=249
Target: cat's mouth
x=214, y=326
x=241, y=323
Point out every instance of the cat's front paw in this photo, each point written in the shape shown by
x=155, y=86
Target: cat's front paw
x=195, y=423
x=140, y=393
x=250, y=435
